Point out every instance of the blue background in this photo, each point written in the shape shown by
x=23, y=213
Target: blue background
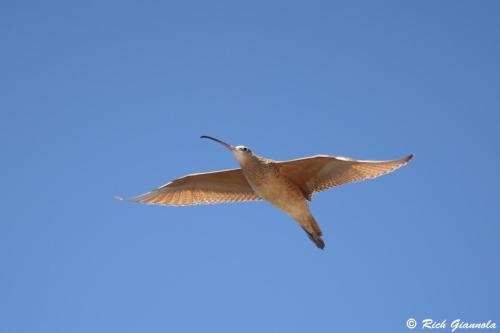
x=109, y=98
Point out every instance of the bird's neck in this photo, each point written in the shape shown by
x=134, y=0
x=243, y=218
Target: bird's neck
x=253, y=162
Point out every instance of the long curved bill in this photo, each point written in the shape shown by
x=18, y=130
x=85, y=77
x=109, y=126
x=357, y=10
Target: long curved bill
x=218, y=141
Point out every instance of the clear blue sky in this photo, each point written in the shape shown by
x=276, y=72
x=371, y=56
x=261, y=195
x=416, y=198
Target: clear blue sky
x=105, y=98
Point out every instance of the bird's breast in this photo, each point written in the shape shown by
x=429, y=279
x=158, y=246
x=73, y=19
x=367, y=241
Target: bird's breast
x=278, y=190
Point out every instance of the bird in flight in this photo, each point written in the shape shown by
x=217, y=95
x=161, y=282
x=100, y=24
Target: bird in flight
x=287, y=185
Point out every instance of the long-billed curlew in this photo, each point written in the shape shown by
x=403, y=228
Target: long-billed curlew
x=285, y=184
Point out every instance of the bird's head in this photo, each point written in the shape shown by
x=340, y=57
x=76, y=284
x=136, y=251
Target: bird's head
x=241, y=153
x=242, y=150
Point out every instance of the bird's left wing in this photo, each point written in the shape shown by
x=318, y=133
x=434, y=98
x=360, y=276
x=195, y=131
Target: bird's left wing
x=202, y=188
x=321, y=172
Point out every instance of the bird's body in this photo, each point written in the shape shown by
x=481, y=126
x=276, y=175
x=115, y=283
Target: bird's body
x=264, y=177
x=287, y=185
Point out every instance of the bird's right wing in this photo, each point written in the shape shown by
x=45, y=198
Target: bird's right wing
x=321, y=172
x=202, y=188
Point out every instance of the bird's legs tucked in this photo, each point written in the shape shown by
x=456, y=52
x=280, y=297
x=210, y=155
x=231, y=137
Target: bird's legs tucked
x=312, y=230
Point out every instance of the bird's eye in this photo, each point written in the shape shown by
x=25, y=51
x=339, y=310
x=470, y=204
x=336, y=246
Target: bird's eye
x=245, y=149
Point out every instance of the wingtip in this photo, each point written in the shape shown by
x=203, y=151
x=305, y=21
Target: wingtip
x=119, y=198
x=410, y=157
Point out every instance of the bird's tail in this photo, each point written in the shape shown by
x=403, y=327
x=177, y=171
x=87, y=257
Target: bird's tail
x=312, y=230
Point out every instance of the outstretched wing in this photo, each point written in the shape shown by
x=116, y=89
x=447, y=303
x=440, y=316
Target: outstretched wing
x=321, y=172
x=202, y=188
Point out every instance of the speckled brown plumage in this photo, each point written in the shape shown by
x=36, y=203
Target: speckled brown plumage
x=285, y=184
x=202, y=189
